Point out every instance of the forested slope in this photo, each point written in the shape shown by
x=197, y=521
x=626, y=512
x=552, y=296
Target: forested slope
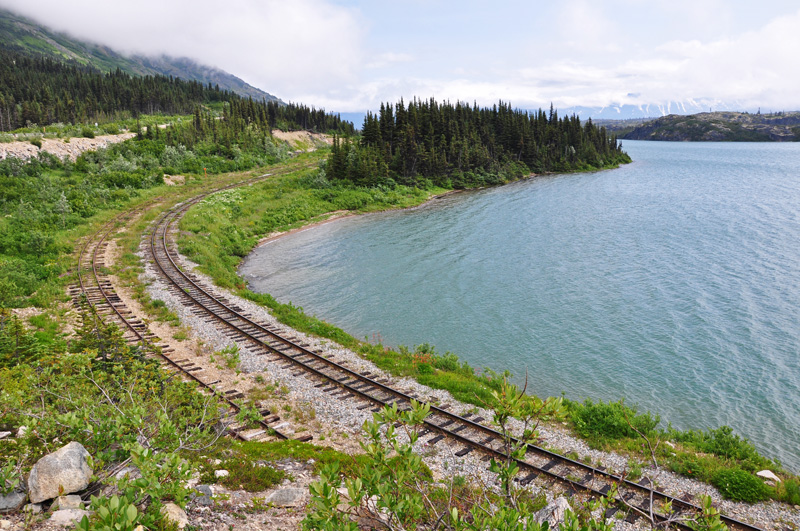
x=39, y=90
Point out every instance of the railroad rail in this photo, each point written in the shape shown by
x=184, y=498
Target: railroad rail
x=468, y=430
x=95, y=289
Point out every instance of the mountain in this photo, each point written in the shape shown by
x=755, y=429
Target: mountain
x=650, y=110
x=23, y=35
x=721, y=127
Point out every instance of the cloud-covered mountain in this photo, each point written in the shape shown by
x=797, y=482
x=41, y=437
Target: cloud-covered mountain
x=21, y=34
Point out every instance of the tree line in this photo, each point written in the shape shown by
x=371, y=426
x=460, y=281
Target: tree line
x=462, y=145
x=40, y=90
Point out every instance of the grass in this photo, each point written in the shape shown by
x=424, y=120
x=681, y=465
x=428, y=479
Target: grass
x=253, y=455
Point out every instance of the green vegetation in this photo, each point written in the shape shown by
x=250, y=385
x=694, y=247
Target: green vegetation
x=392, y=485
x=739, y=485
x=600, y=422
x=458, y=146
x=116, y=404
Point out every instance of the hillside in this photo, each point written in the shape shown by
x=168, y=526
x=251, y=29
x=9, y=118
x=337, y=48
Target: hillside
x=23, y=35
x=720, y=127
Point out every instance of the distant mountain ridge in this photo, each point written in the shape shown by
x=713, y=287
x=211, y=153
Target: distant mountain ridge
x=21, y=34
x=628, y=111
x=720, y=127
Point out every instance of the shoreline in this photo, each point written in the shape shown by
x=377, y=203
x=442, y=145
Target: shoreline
x=337, y=215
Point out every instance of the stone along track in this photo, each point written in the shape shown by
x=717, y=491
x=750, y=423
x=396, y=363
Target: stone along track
x=94, y=293
x=469, y=432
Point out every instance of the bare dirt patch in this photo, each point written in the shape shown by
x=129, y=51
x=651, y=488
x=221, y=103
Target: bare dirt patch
x=174, y=180
x=302, y=140
x=70, y=148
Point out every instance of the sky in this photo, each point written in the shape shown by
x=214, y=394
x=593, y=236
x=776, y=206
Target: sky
x=351, y=55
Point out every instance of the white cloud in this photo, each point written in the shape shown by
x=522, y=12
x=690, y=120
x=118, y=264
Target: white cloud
x=387, y=59
x=282, y=47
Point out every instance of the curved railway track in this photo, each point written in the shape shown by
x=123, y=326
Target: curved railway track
x=470, y=432
x=96, y=289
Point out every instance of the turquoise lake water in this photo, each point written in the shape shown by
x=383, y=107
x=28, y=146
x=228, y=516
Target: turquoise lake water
x=673, y=282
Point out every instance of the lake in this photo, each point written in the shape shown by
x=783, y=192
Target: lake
x=673, y=282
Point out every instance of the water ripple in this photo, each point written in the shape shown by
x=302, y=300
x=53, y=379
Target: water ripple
x=673, y=282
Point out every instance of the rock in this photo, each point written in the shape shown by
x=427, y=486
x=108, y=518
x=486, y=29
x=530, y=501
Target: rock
x=4, y=434
x=286, y=497
x=768, y=475
x=5, y=524
x=67, y=517
x=33, y=508
x=21, y=432
x=669, y=444
x=12, y=502
x=63, y=472
x=131, y=471
x=221, y=473
x=68, y=502
x=554, y=512
x=204, y=494
x=175, y=514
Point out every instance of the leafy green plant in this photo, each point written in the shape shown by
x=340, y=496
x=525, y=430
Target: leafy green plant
x=37, y=142
x=110, y=514
x=634, y=470
x=87, y=132
x=709, y=517
x=740, y=485
x=230, y=355
x=164, y=476
x=391, y=487
x=249, y=415
x=512, y=403
x=9, y=477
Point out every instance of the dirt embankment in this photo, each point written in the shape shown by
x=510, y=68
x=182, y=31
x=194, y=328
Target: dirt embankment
x=302, y=140
x=70, y=148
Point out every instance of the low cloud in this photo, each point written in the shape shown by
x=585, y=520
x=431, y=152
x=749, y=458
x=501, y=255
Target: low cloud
x=281, y=47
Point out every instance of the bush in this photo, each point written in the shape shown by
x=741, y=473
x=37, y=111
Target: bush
x=600, y=422
x=739, y=485
x=87, y=133
x=722, y=442
x=37, y=142
x=788, y=491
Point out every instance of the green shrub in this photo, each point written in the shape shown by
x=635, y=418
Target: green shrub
x=788, y=491
x=37, y=142
x=722, y=442
x=739, y=485
x=87, y=133
x=599, y=421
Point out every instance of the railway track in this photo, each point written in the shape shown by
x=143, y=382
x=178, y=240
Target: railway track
x=367, y=390
x=95, y=289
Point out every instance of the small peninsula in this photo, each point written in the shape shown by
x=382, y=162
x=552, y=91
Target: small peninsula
x=720, y=127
